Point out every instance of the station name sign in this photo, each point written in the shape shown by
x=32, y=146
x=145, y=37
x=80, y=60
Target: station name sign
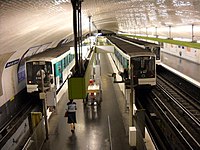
x=11, y=63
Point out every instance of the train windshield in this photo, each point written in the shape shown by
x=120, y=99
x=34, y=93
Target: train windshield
x=37, y=69
x=143, y=66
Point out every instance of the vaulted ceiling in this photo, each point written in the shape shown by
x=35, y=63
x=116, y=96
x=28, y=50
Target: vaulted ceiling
x=28, y=23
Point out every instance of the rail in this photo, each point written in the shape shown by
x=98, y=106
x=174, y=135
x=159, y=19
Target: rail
x=173, y=109
x=10, y=127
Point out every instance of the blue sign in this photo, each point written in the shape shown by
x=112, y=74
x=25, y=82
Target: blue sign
x=11, y=63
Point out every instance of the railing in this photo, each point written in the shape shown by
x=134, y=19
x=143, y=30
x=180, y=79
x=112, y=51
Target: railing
x=37, y=139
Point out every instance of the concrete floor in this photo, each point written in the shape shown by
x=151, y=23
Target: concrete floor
x=92, y=128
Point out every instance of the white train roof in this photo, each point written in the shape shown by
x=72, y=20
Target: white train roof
x=52, y=53
x=130, y=49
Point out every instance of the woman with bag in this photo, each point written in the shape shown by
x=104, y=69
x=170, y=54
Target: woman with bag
x=71, y=113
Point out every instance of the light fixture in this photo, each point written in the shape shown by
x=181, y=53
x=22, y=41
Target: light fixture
x=58, y=2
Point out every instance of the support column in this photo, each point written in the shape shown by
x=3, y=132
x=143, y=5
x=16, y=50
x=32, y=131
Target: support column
x=170, y=36
x=89, y=25
x=147, y=31
x=135, y=30
x=128, y=94
x=131, y=100
x=193, y=33
x=156, y=28
x=77, y=27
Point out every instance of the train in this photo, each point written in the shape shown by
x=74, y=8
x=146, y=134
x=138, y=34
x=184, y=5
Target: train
x=134, y=61
x=49, y=69
x=152, y=47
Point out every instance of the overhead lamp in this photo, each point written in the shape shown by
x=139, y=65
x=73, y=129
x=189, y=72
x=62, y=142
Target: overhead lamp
x=58, y=2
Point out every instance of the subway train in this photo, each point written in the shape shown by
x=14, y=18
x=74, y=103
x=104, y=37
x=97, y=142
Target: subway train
x=152, y=47
x=129, y=57
x=50, y=69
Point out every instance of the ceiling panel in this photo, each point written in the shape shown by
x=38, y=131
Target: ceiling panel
x=26, y=23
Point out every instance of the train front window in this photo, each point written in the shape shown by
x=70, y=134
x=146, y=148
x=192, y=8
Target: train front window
x=34, y=69
x=143, y=66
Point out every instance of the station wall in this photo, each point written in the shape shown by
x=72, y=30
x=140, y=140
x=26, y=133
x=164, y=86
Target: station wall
x=9, y=78
x=191, y=54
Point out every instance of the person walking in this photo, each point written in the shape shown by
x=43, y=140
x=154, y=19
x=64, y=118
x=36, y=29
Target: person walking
x=71, y=109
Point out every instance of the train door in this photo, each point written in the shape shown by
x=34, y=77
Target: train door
x=63, y=68
x=58, y=73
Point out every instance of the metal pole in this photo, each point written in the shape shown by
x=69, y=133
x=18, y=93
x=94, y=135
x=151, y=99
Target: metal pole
x=131, y=100
x=80, y=36
x=44, y=106
x=74, y=5
x=192, y=32
x=79, y=40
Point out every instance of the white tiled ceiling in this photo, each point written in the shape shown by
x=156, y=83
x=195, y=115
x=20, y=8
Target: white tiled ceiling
x=144, y=13
x=26, y=23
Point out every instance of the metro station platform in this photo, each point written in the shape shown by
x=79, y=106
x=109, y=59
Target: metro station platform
x=187, y=69
x=103, y=127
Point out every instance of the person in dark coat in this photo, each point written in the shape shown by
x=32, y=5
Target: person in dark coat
x=71, y=108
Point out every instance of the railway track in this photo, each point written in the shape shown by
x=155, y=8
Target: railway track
x=12, y=125
x=173, y=112
x=184, y=86
x=180, y=112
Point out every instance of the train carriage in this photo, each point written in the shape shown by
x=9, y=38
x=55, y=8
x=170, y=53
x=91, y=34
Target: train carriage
x=149, y=46
x=52, y=66
x=143, y=62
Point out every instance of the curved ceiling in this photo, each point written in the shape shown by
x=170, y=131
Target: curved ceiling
x=28, y=23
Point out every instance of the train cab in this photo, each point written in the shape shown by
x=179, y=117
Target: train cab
x=144, y=69
x=36, y=72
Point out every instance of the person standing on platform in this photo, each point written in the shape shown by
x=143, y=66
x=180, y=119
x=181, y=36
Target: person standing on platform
x=71, y=108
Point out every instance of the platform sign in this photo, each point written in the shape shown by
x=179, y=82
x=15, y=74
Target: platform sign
x=11, y=63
